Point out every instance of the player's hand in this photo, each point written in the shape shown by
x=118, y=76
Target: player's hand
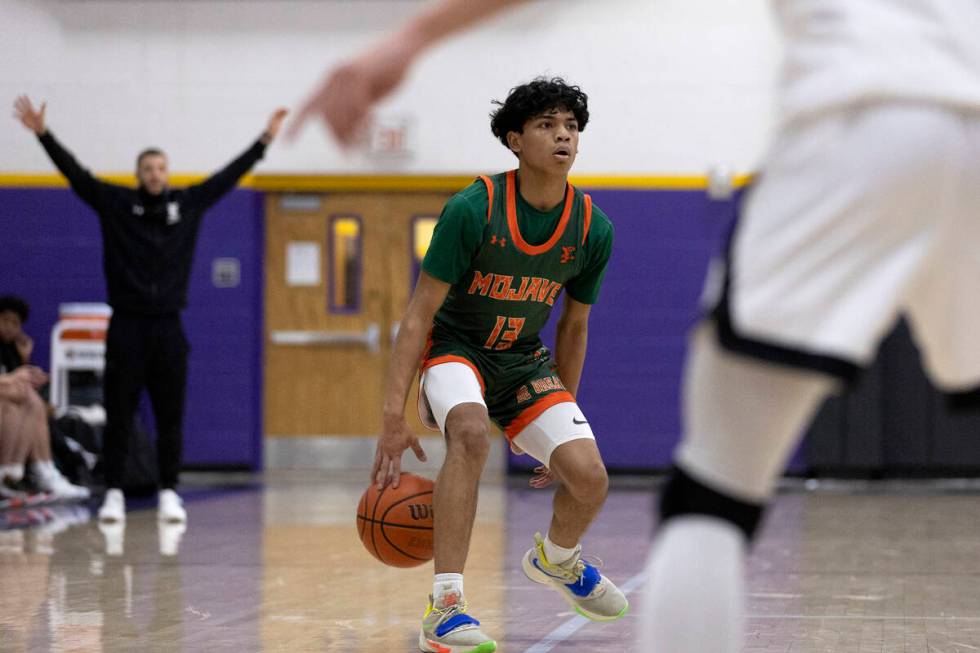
x=274, y=125
x=34, y=376
x=543, y=477
x=346, y=95
x=395, y=438
x=14, y=388
x=32, y=119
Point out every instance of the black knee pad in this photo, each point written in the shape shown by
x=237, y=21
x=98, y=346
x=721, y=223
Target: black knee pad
x=685, y=496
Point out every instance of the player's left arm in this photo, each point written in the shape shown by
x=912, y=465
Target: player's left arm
x=571, y=341
x=209, y=191
x=581, y=293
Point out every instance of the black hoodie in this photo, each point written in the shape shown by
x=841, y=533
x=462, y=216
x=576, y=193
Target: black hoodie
x=148, y=241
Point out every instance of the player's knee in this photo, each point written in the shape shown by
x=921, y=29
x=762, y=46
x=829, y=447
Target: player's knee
x=588, y=481
x=470, y=438
x=683, y=495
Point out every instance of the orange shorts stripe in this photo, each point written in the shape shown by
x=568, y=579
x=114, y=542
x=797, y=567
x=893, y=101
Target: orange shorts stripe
x=439, y=360
x=534, y=411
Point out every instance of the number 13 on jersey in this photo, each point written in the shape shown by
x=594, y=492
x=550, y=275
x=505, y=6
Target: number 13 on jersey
x=501, y=338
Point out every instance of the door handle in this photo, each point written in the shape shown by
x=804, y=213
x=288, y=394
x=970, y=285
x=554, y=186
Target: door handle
x=370, y=338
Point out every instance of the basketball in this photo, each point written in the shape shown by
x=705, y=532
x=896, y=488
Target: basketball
x=395, y=524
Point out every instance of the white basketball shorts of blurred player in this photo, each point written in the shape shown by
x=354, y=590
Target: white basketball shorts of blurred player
x=447, y=385
x=861, y=216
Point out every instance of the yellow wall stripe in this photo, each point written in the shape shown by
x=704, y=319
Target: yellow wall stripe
x=379, y=183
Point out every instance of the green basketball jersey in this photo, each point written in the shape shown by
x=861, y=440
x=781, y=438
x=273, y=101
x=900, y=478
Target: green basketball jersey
x=504, y=300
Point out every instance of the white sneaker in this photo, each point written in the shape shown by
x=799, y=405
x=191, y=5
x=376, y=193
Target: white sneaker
x=113, y=507
x=61, y=489
x=170, y=508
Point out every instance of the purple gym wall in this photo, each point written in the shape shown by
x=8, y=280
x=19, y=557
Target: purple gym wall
x=664, y=239
x=52, y=253
x=637, y=330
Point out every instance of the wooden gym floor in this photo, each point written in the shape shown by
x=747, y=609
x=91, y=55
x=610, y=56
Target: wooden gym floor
x=274, y=564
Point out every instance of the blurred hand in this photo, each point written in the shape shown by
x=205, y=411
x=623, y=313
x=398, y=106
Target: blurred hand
x=394, y=439
x=14, y=388
x=32, y=119
x=34, y=376
x=25, y=346
x=347, y=94
x=275, y=124
x=542, y=478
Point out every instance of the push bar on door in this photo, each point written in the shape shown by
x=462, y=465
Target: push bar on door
x=370, y=338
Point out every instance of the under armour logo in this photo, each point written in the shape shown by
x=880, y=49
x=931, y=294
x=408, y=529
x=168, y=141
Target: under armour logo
x=567, y=254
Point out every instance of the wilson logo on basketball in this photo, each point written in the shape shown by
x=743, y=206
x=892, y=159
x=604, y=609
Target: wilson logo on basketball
x=420, y=511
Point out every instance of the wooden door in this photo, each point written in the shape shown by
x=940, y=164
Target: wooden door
x=328, y=340
x=411, y=218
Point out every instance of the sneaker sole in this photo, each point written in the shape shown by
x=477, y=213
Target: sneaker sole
x=429, y=646
x=537, y=576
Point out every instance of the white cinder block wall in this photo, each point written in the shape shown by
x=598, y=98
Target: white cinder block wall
x=676, y=85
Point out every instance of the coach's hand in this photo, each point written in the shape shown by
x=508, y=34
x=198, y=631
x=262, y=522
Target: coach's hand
x=395, y=438
x=274, y=125
x=32, y=119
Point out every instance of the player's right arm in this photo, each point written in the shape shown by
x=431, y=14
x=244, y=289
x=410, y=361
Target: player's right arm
x=455, y=241
x=82, y=182
x=347, y=94
x=413, y=331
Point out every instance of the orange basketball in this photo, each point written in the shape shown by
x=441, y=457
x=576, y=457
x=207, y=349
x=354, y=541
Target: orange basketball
x=395, y=525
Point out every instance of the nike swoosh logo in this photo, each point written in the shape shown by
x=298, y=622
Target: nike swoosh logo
x=575, y=421
x=534, y=561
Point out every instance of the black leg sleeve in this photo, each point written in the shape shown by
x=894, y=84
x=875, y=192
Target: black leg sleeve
x=166, y=382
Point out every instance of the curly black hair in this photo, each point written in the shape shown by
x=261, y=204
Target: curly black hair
x=537, y=97
x=15, y=305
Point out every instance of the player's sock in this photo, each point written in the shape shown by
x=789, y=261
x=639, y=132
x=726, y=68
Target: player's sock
x=447, y=589
x=557, y=554
x=695, y=598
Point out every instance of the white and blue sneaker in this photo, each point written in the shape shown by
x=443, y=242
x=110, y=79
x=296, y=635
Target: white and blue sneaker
x=451, y=630
x=590, y=594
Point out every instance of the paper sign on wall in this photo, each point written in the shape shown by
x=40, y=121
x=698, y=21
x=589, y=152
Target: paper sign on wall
x=303, y=263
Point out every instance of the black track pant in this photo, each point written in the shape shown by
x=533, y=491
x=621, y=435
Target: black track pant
x=151, y=352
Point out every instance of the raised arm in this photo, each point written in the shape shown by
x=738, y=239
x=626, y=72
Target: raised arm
x=82, y=181
x=346, y=95
x=396, y=436
x=214, y=187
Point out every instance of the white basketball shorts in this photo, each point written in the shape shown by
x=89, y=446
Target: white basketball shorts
x=447, y=385
x=860, y=217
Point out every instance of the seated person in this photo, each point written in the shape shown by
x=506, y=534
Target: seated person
x=24, y=434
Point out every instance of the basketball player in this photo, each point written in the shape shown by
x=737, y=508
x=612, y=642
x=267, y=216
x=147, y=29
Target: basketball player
x=868, y=207
x=503, y=250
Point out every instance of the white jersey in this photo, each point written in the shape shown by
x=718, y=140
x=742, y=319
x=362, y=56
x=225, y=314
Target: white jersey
x=843, y=52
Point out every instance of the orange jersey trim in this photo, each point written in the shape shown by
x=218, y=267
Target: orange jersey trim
x=534, y=411
x=515, y=232
x=588, y=218
x=449, y=358
x=489, y=185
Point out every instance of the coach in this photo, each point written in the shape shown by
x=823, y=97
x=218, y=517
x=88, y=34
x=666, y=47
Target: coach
x=148, y=238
